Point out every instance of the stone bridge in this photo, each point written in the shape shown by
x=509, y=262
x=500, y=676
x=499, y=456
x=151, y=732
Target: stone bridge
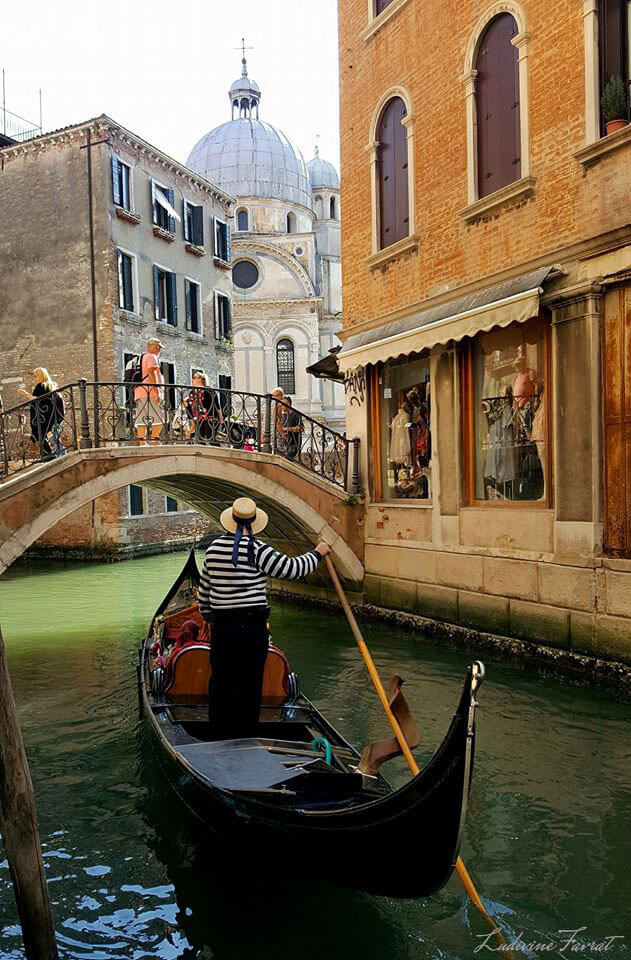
x=302, y=506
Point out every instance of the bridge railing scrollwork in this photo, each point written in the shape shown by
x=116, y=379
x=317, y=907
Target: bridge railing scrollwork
x=86, y=415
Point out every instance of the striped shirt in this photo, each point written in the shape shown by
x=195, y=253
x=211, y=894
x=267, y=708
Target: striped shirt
x=223, y=586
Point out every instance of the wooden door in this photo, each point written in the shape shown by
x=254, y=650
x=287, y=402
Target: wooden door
x=617, y=413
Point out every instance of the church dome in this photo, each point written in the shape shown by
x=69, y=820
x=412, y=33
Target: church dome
x=322, y=174
x=247, y=157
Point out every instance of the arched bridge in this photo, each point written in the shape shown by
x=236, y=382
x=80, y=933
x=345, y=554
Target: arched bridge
x=245, y=446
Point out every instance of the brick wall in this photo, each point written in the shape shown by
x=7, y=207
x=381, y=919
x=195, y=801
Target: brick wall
x=423, y=49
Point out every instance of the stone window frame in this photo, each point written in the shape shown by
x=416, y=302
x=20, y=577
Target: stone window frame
x=377, y=20
x=525, y=185
x=134, y=281
x=378, y=254
x=145, y=502
x=132, y=196
x=222, y=340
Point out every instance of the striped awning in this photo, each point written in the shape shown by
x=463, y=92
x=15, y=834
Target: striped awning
x=513, y=301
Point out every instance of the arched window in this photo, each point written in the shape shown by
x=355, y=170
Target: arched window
x=285, y=366
x=332, y=208
x=498, y=106
x=242, y=220
x=291, y=223
x=394, y=216
x=319, y=207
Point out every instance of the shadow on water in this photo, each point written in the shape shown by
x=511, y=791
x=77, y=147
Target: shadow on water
x=231, y=903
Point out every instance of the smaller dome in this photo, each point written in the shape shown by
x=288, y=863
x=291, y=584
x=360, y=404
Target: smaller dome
x=322, y=173
x=244, y=85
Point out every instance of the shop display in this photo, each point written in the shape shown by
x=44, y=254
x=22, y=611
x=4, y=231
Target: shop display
x=406, y=411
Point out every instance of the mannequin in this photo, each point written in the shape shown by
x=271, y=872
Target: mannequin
x=399, y=438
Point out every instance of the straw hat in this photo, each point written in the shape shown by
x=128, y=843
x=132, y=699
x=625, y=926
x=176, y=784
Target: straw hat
x=241, y=510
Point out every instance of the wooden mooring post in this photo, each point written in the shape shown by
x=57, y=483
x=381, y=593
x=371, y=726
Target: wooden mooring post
x=18, y=825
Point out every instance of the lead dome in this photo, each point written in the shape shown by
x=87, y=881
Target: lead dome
x=322, y=174
x=248, y=157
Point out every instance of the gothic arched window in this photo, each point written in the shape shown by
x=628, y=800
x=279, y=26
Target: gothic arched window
x=285, y=366
x=394, y=209
x=497, y=103
x=242, y=220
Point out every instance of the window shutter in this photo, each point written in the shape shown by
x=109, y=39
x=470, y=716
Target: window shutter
x=128, y=286
x=498, y=108
x=156, y=293
x=121, y=282
x=172, y=298
x=228, y=243
x=187, y=235
x=172, y=221
x=213, y=236
x=380, y=5
x=115, y=184
x=387, y=173
x=188, y=305
x=154, y=206
x=216, y=315
x=227, y=317
x=198, y=226
x=401, y=204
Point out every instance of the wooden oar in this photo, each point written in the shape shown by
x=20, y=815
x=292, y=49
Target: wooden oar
x=461, y=870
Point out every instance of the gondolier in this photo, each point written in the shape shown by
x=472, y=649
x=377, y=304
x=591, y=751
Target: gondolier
x=233, y=599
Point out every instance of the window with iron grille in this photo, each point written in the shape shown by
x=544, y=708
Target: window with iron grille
x=285, y=366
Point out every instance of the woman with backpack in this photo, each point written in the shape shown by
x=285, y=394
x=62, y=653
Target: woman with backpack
x=46, y=413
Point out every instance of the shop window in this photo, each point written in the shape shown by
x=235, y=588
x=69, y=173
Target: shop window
x=403, y=411
x=506, y=426
x=497, y=103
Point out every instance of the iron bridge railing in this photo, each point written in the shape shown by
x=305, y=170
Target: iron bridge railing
x=84, y=415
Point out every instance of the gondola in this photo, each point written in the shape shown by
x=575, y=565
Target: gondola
x=294, y=792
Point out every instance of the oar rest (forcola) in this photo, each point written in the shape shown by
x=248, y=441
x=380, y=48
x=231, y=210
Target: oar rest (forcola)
x=189, y=673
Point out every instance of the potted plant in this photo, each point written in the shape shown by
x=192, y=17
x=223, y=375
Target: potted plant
x=614, y=105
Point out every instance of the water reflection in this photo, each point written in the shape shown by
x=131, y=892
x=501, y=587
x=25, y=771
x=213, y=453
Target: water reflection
x=132, y=876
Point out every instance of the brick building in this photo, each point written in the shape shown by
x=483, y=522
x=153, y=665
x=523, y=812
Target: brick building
x=486, y=252
x=162, y=267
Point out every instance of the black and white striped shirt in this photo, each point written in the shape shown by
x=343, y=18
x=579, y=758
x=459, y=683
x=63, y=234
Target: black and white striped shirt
x=223, y=586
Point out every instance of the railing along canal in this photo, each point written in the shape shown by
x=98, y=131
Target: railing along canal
x=83, y=415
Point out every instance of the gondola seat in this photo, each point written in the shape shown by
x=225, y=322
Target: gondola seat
x=189, y=673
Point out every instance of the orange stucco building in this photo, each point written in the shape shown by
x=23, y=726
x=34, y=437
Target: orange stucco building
x=486, y=251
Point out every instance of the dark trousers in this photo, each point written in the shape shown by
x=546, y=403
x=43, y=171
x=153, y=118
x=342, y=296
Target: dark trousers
x=238, y=651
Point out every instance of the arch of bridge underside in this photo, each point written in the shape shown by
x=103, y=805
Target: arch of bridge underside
x=301, y=507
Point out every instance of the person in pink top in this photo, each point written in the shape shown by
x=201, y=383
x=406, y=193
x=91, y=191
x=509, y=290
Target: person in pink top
x=148, y=399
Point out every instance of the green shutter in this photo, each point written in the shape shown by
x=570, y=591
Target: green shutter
x=228, y=316
x=115, y=184
x=172, y=221
x=172, y=299
x=154, y=209
x=187, y=299
x=128, y=287
x=156, y=293
x=228, y=244
x=187, y=235
x=213, y=243
x=198, y=226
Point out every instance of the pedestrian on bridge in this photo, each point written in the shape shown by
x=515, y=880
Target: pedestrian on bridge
x=233, y=599
x=46, y=413
x=149, y=417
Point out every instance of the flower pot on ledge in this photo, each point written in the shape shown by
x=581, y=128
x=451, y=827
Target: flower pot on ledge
x=612, y=125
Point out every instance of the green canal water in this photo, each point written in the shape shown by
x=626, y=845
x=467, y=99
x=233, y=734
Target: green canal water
x=548, y=836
